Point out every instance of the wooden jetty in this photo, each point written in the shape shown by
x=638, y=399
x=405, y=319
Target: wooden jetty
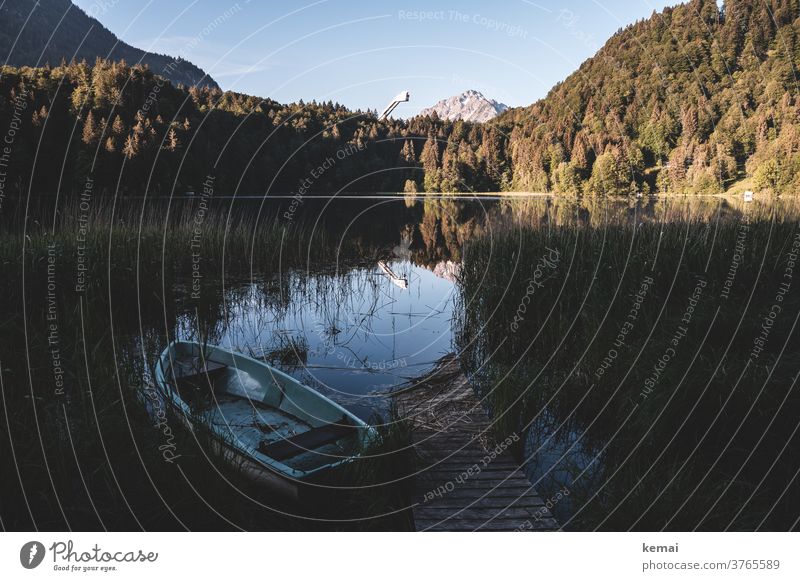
x=466, y=481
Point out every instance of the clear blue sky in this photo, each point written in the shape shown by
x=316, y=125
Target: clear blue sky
x=362, y=53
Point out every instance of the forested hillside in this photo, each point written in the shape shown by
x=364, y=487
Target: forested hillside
x=130, y=130
x=690, y=100
x=41, y=32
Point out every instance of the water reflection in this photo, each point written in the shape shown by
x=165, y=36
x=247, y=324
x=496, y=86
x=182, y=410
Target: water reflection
x=392, y=301
x=355, y=335
x=616, y=452
x=382, y=313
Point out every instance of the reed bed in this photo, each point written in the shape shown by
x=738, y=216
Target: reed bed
x=80, y=449
x=637, y=364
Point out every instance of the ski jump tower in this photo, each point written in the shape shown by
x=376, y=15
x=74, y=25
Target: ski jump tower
x=401, y=98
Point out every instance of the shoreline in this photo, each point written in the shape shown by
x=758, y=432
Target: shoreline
x=432, y=195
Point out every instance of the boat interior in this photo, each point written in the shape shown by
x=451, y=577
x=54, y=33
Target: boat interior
x=262, y=412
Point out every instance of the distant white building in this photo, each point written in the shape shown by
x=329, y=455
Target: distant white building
x=748, y=196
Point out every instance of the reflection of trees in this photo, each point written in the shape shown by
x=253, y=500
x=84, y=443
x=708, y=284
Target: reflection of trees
x=428, y=233
x=565, y=371
x=447, y=224
x=433, y=230
x=599, y=212
x=429, y=228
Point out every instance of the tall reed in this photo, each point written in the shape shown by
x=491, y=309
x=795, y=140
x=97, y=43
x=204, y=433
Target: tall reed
x=632, y=367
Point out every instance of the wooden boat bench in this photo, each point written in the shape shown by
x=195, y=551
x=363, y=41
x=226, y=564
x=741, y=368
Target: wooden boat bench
x=286, y=448
x=196, y=374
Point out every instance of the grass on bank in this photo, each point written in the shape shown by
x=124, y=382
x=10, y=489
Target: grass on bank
x=79, y=449
x=708, y=441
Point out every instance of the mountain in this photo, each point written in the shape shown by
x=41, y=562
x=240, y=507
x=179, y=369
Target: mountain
x=117, y=123
x=692, y=100
x=468, y=106
x=695, y=99
x=54, y=30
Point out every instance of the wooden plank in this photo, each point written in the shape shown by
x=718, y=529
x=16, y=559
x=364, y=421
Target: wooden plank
x=481, y=514
x=307, y=441
x=501, y=474
x=493, y=526
x=519, y=493
x=487, y=502
x=449, y=483
x=455, y=491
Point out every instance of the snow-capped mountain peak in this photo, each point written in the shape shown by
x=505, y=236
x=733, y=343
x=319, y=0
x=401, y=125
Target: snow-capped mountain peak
x=470, y=106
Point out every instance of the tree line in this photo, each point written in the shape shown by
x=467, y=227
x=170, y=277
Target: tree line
x=695, y=99
x=131, y=131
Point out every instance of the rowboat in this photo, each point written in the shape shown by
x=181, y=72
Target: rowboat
x=278, y=431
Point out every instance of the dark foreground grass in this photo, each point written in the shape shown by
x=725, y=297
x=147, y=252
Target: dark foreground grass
x=653, y=367
x=376, y=488
x=78, y=448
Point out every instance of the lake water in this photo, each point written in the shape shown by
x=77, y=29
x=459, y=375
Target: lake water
x=382, y=309
x=354, y=335
x=377, y=317
x=372, y=320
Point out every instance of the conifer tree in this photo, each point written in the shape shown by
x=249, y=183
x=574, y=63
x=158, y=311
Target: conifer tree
x=90, y=131
x=430, y=163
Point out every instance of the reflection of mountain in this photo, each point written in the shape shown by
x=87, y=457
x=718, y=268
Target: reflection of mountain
x=448, y=270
